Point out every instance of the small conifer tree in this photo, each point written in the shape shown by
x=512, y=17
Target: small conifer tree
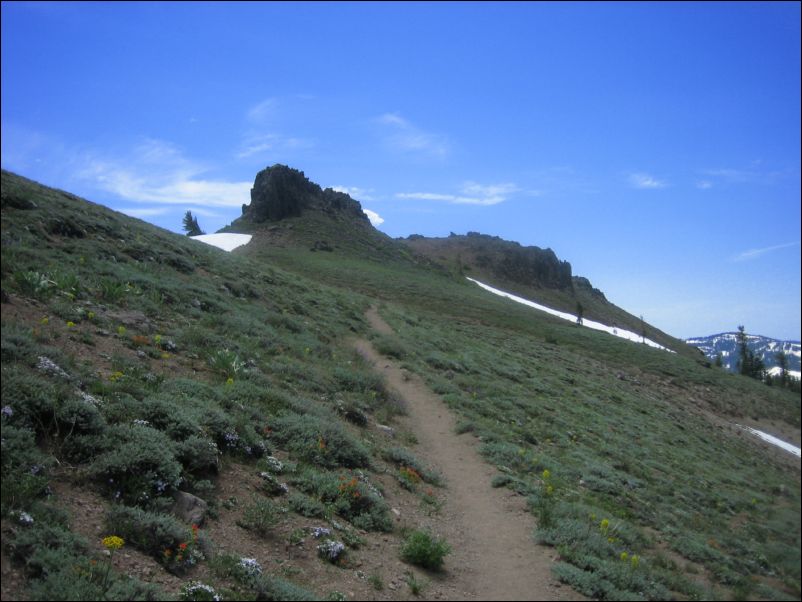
x=191, y=226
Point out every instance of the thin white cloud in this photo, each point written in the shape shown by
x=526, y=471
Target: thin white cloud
x=262, y=111
x=645, y=181
x=755, y=174
x=261, y=144
x=755, y=253
x=704, y=184
x=403, y=136
x=374, y=217
x=144, y=212
x=360, y=194
x=471, y=193
x=158, y=172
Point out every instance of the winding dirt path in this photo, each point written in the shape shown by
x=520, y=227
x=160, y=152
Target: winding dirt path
x=494, y=556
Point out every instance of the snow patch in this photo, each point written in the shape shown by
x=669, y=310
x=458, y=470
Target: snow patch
x=228, y=241
x=619, y=332
x=776, y=370
x=773, y=440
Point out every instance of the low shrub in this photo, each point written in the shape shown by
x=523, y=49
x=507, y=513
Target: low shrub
x=425, y=550
x=159, y=535
x=318, y=442
x=199, y=456
x=140, y=466
x=405, y=459
x=261, y=516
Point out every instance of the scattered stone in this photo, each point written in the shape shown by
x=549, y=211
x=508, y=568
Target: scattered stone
x=387, y=430
x=189, y=508
x=49, y=367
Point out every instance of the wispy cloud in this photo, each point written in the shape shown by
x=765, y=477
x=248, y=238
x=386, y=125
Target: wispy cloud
x=374, y=217
x=261, y=144
x=143, y=212
x=704, y=184
x=158, y=172
x=360, y=194
x=401, y=135
x=262, y=111
x=755, y=253
x=266, y=136
x=754, y=174
x=645, y=181
x=471, y=193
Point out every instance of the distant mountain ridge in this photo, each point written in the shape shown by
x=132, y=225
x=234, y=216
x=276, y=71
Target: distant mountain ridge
x=766, y=348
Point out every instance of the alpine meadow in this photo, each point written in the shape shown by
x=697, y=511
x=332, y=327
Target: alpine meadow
x=401, y=300
x=181, y=421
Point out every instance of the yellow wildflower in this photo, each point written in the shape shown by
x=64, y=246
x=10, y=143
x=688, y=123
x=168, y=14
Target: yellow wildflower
x=624, y=556
x=113, y=542
x=70, y=324
x=635, y=560
x=546, y=474
x=229, y=381
x=44, y=321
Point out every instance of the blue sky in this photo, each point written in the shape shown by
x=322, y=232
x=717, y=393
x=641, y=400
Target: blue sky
x=654, y=146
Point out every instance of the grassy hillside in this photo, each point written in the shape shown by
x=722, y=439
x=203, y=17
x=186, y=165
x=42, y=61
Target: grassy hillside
x=515, y=269
x=137, y=362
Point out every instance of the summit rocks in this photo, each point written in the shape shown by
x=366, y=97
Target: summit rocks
x=280, y=192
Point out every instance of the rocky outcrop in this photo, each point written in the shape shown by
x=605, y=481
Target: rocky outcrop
x=280, y=192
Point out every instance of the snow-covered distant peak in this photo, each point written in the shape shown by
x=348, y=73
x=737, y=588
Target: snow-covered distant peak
x=228, y=241
x=619, y=332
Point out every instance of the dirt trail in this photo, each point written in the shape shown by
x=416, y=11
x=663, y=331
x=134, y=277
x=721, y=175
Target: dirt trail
x=494, y=556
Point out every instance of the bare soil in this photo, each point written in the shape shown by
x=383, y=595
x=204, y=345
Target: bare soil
x=494, y=554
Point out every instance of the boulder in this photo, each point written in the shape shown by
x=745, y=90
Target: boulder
x=189, y=508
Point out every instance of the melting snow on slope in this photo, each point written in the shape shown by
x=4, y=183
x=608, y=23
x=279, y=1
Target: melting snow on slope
x=773, y=440
x=619, y=332
x=775, y=371
x=227, y=241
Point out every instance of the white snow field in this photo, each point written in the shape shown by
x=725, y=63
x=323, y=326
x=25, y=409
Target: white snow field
x=227, y=241
x=619, y=332
x=773, y=440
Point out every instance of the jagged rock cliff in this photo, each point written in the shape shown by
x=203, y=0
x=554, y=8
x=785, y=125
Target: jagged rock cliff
x=281, y=191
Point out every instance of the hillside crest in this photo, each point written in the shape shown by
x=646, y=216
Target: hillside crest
x=280, y=192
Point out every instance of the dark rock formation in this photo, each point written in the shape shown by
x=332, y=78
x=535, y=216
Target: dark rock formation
x=280, y=192
x=582, y=283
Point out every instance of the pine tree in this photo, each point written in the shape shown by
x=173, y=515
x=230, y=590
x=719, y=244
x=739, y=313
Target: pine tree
x=782, y=362
x=748, y=363
x=191, y=226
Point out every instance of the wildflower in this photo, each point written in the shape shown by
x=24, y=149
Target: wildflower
x=165, y=356
x=157, y=339
x=23, y=517
x=91, y=315
x=229, y=381
x=604, y=525
x=635, y=561
x=546, y=475
x=167, y=553
x=331, y=550
x=183, y=546
x=321, y=444
x=7, y=412
x=549, y=490
x=113, y=542
x=319, y=532
x=70, y=324
x=116, y=376
x=624, y=556
x=121, y=330
x=199, y=591
x=250, y=566
x=44, y=321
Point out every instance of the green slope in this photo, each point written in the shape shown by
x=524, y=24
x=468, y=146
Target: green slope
x=629, y=435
